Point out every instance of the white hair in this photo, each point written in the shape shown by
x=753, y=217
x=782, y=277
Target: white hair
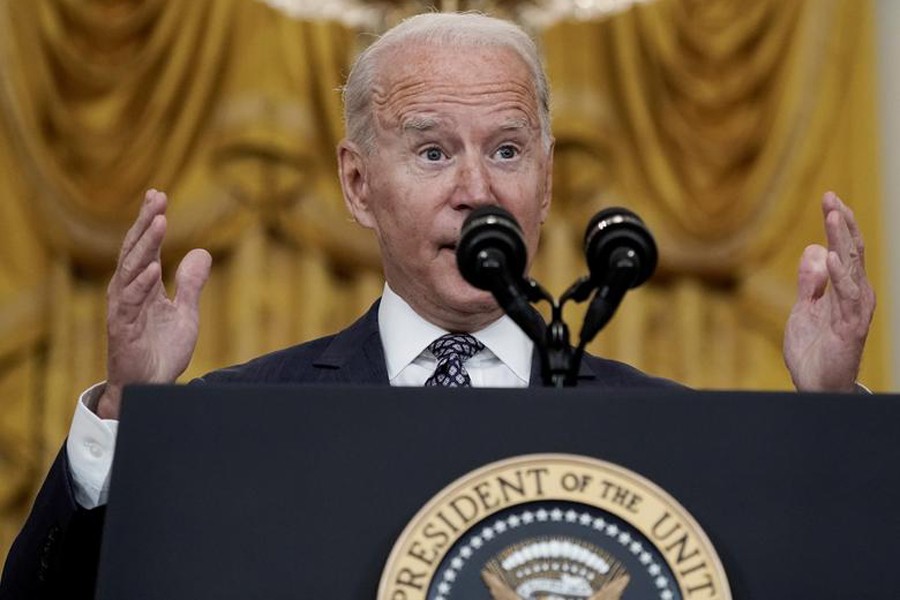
x=451, y=29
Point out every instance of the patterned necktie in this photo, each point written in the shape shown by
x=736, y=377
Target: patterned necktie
x=451, y=351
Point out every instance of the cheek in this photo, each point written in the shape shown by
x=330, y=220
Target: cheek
x=526, y=205
x=402, y=235
x=524, y=202
x=389, y=216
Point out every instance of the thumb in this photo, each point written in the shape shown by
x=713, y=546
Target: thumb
x=191, y=277
x=812, y=275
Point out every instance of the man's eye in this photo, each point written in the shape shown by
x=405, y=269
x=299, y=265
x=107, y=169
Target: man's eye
x=507, y=152
x=433, y=154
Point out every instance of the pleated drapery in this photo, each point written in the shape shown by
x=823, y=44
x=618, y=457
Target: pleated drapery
x=721, y=122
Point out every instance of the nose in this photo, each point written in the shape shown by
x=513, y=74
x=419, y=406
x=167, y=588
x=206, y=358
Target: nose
x=473, y=184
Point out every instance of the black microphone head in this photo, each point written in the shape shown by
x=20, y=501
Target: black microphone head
x=490, y=239
x=611, y=232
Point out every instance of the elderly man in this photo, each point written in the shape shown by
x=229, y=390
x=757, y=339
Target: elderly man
x=444, y=113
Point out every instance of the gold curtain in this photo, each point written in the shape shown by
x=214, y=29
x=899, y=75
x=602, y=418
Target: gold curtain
x=722, y=123
x=719, y=121
x=228, y=105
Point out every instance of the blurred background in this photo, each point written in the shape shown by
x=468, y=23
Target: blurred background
x=721, y=122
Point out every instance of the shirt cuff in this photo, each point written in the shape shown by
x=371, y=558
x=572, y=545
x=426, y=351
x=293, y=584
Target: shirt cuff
x=90, y=448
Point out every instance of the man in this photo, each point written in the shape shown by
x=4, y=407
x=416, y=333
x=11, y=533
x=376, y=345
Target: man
x=444, y=113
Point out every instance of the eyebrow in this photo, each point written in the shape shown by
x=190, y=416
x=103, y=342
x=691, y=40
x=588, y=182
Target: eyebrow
x=419, y=124
x=515, y=123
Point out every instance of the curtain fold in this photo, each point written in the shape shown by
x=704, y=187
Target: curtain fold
x=722, y=123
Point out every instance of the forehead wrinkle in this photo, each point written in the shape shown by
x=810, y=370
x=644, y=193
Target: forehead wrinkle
x=422, y=97
x=399, y=91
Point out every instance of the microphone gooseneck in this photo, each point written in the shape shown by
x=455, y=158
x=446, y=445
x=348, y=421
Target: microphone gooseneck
x=621, y=255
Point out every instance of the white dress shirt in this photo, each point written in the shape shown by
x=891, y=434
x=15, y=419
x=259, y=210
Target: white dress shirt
x=90, y=447
x=505, y=361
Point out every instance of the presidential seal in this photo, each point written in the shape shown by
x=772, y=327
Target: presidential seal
x=553, y=527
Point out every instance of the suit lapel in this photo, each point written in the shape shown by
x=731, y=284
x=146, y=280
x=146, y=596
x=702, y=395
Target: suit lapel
x=355, y=355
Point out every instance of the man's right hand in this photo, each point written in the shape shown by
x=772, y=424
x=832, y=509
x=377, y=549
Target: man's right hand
x=150, y=337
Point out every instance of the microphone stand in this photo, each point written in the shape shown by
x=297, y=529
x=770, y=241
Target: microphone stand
x=555, y=350
x=624, y=269
x=515, y=297
x=559, y=362
x=551, y=341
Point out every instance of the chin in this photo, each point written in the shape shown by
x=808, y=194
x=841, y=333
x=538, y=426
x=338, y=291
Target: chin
x=471, y=300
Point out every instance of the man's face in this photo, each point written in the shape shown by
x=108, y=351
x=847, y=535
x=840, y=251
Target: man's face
x=455, y=128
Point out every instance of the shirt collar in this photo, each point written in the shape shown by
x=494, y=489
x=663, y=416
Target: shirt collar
x=405, y=335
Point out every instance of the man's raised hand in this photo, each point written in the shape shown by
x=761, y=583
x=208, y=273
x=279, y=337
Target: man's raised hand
x=150, y=337
x=827, y=329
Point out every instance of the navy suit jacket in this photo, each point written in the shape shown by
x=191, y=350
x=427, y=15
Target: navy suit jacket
x=56, y=553
x=355, y=356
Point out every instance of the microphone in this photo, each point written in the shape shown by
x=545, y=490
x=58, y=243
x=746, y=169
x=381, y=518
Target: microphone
x=490, y=244
x=621, y=255
x=615, y=234
x=491, y=255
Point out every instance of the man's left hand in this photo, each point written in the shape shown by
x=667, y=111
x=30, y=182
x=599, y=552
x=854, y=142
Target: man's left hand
x=827, y=329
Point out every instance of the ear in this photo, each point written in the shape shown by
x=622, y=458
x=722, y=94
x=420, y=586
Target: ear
x=353, y=173
x=548, y=182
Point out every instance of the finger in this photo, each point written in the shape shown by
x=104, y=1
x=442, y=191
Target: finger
x=192, y=274
x=143, y=241
x=154, y=204
x=831, y=202
x=848, y=292
x=127, y=306
x=145, y=250
x=855, y=233
x=812, y=275
x=839, y=239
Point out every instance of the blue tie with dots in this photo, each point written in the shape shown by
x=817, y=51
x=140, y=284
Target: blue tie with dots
x=451, y=351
